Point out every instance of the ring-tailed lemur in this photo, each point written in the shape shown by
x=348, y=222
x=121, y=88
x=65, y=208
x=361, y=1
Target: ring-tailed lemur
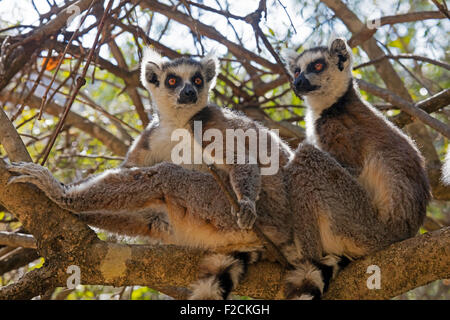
x=311, y=207
x=180, y=90
x=384, y=160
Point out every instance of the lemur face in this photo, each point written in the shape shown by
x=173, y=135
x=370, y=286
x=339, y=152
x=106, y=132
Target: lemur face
x=321, y=70
x=178, y=84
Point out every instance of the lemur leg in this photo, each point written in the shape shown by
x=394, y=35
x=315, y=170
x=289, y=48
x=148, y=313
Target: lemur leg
x=246, y=183
x=347, y=220
x=150, y=222
x=135, y=189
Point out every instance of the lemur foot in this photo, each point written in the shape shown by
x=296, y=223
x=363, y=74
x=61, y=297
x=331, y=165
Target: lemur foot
x=35, y=174
x=246, y=216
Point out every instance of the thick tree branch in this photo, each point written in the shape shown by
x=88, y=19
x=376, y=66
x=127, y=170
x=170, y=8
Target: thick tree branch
x=30, y=285
x=404, y=266
x=432, y=104
x=11, y=140
x=19, y=258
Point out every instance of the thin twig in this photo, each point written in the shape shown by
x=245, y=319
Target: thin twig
x=270, y=246
x=75, y=34
x=442, y=7
x=404, y=56
x=287, y=13
x=80, y=81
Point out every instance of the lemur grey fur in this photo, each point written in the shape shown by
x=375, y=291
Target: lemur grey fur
x=180, y=90
x=380, y=156
x=312, y=209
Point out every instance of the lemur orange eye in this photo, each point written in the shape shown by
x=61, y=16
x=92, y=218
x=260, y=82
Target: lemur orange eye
x=172, y=81
x=297, y=73
x=198, y=81
x=318, y=66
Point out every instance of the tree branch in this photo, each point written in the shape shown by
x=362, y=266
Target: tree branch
x=209, y=32
x=11, y=140
x=404, y=56
x=94, y=130
x=432, y=104
x=14, y=239
x=406, y=107
x=404, y=266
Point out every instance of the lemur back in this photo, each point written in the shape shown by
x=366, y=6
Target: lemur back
x=383, y=159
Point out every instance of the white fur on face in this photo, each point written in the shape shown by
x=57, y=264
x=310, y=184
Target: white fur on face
x=332, y=81
x=166, y=99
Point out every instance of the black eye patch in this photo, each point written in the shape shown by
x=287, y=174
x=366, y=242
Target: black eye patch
x=172, y=81
x=316, y=66
x=152, y=78
x=197, y=80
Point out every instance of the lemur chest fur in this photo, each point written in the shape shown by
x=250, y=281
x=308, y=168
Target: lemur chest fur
x=338, y=131
x=166, y=138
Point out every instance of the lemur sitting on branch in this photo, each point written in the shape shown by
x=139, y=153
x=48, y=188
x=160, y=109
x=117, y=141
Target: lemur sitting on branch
x=180, y=91
x=380, y=156
x=312, y=209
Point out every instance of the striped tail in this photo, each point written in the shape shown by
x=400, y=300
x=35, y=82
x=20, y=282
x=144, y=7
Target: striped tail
x=312, y=278
x=219, y=274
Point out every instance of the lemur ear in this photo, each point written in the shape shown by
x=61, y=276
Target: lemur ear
x=210, y=65
x=339, y=49
x=151, y=67
x=290, y=57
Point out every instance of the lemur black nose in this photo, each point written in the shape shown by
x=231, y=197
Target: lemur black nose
x=302, y=84
x=188, y=94
x=300, y=80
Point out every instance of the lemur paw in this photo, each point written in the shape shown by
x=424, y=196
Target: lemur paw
x=246, y=216
x=35, y=174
